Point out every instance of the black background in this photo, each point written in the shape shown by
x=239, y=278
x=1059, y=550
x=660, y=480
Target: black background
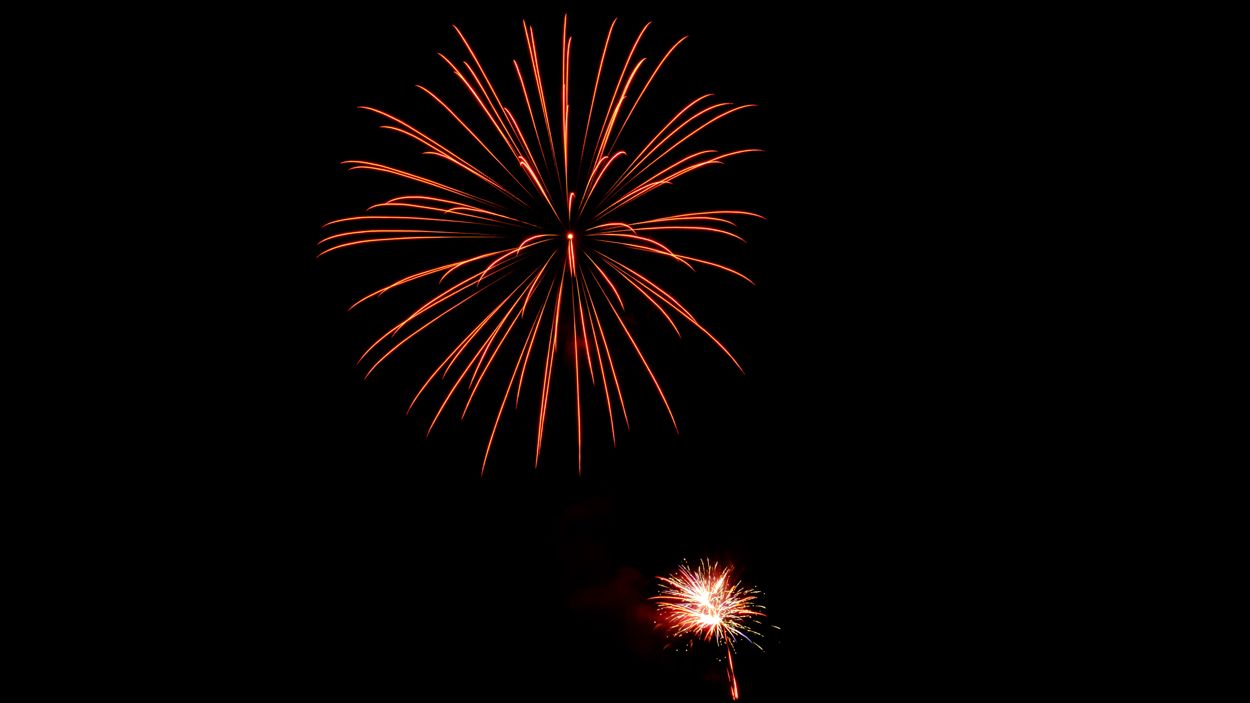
x=845, y=473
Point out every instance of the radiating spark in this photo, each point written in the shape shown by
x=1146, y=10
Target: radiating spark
x=509, y=209
x=706, y=603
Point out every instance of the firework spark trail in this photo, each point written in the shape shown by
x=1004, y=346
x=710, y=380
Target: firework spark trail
x=706, y=603
x=534, y=192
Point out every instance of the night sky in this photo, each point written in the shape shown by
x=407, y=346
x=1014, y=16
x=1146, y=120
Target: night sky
x=362, y=560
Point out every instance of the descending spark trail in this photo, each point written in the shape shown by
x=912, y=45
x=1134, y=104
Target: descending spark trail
x=706, y=603
x=546, y=228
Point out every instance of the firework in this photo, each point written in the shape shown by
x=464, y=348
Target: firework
x=554, y=249
x=706, y=603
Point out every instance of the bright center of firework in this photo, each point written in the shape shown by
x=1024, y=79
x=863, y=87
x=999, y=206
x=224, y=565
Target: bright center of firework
x=569, y=235
x=703, y=602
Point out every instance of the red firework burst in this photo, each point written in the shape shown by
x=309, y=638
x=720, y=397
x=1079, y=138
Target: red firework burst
x=707, y=603
x=546, y=225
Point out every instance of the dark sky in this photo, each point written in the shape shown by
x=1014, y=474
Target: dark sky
x=367, y=561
